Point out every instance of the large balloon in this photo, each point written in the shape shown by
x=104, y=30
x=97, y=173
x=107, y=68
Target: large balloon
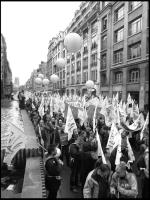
x=60, y=62
x=54, y=78
x=90, y=84
x=41, y=76
x=45, y=81
x=73, y=42
x=38, y=80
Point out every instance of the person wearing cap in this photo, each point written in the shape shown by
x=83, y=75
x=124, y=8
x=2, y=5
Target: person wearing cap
x=123, y=183
x=53, y=167
x=97, y=184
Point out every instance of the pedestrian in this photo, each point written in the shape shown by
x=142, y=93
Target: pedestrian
x=53, y=168
x=143, y=167
x=74, y=161
x=123, y=183
x=97, y=185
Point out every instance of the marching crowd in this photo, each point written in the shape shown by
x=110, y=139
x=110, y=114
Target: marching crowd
x=88, y=171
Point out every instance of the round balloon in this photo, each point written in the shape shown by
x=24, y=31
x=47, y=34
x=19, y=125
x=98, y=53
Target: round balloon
x=90, y=84
x=54, y=78
x=41, y=76
x=73, y=42
x=60, y=62
x=38, y=80
x=45, y=81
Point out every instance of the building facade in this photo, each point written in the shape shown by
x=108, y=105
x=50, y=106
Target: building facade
x=115, y=50
x=6, y=73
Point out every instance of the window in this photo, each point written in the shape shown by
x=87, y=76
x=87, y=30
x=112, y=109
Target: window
x=134, y=75
x=135, y=26
x=118, y=56
x=147, y=73
x=85, y=76
x=104, y=23
x=134, y=4
x=147, y=44
x=103, y=61
x=73, y=80
x=85, y=50
x=94, y=75
x=94, y=60
x=119, y=13
x=94, y=27
x=72, y=57
x=63, y=53
x=78, y=66
x=104, y=3
x=85, y=34
x=68, y=81
x=94, y=43
x=104, y=42
x=118, y=77
x=60, y=75
x=118, y=35
x=85, y=63
x=63, y=74
x=72, y=67
x=78, y=55
x=103, y=78
x=68, y=61
x=134, y=50
x=78, y=78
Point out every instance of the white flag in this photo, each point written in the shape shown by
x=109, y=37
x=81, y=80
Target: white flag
x=16, y=141
x=145, y=124
x=118, y=154
x=130, y=151
x=70, y=123
x=113, y=137
x=99, y=149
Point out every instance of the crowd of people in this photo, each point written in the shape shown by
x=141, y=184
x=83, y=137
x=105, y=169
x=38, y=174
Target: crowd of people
x=88, y=171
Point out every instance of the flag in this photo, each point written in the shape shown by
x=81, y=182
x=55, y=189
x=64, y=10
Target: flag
x=130, y=151
x=112, y=137
x=118, y=154
x=145, y=125
x=99, y=149
x=94, y=119
x=70, y=124
x=16, y=141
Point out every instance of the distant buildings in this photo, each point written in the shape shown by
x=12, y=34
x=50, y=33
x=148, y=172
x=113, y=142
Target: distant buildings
x=16, y=82
x=6, y=74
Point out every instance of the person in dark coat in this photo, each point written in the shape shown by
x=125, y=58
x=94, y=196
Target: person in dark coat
x=88, y=159
x=53, y=168
x=74, y=162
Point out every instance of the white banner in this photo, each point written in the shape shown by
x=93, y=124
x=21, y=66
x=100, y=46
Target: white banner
x=16, y=141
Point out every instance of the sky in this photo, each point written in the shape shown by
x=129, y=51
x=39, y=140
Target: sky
x=28, y=27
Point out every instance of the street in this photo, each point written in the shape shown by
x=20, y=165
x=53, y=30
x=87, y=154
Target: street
x=10, y=111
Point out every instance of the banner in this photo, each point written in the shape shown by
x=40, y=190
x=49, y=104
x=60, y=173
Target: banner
x=70, y=124
x=16, y=141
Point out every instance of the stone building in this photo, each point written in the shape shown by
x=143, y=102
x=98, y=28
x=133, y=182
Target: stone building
x=115, y=50
x=6, y=73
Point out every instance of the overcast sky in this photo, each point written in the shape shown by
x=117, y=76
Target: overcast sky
x=28, y=27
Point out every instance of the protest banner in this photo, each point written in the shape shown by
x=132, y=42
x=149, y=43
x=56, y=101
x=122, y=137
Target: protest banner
x=16, y=141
